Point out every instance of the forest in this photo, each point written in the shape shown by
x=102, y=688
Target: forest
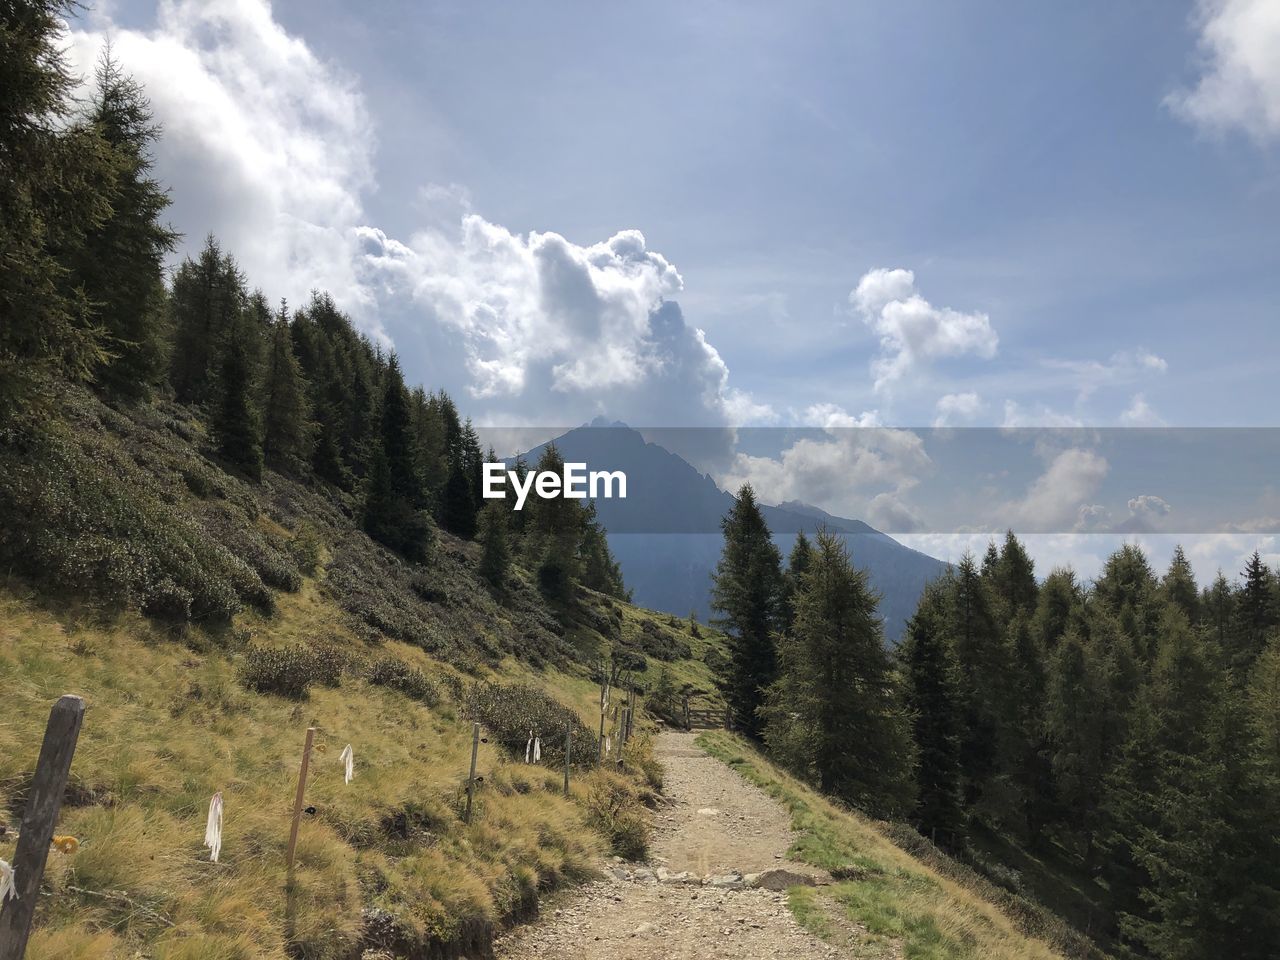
x=1123, y=735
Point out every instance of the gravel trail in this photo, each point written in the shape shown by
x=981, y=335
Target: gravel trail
x=695, y=898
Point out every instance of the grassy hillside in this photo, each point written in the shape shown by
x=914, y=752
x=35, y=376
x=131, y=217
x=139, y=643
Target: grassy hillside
x=208, y=622
x=893, y=889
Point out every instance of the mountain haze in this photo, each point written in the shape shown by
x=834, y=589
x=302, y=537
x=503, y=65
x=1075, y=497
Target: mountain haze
x=666, y=533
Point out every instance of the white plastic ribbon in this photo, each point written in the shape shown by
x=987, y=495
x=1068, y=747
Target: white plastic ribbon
x=528, y=749
x=8, y=885
x=348, y=759
x=213, y=828
x=537, y=749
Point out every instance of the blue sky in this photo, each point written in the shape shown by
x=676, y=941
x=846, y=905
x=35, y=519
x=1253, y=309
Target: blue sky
x=1072, y=207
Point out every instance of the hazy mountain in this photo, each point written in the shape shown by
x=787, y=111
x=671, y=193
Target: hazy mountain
x=666, y=533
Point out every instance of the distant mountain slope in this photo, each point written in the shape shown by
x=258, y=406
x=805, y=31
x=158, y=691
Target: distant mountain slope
x=666, y=533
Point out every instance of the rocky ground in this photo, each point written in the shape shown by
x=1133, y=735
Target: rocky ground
x=714, y=886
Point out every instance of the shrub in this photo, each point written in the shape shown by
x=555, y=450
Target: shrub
x=398, y=675
x=509, y=711
x=306, y=548
x=288, y=671
x=615, y=809
x=79, y=515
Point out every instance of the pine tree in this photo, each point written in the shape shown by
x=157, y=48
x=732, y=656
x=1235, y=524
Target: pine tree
x=54, y=189
x=236, y=424
x=797, y=564
x=1217, y=606
x=495, y=557
x=933, y=700
x=553, y=534
x=207, y=304
x=120, y=261
x=1186, y=813
x=1179, y=586
x=983, y=675
x=834, y=712
x=394, y=498
x=1013, y=579
x=1255, y=611
x=1058, y=599
x=1075, y=718
x=747, y=593
x=286, y=435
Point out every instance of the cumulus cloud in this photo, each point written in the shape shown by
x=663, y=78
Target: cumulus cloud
x=271, y=149
x=264, y=144
x=1017, y=417
x=956, y=406
x=1139, y=413
x=853, y=467
x=542, y=321
x=913, y=331
x=1054, y=500
x=1239, y=87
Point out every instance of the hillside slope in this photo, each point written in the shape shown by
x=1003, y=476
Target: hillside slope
x=267, y=611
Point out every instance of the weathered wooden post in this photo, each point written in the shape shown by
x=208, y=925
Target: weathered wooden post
x=298, y=798
x=687, y=724
x=471, y=780
x=568, y=747
x=39, y=817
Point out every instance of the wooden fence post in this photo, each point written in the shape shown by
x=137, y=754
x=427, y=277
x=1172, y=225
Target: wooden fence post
x=471, y=780
x=298, y=798
x=568, y=747
x=39, y=817
x=687, y=724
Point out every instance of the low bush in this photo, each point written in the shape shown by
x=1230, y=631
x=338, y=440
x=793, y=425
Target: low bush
x=290, y=671
x=79, y=515
x=510, y=711
x=398, y=675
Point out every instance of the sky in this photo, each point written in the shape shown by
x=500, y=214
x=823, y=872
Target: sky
x=843, y=215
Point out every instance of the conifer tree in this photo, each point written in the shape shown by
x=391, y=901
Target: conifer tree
x=120, y=261
x=1075, y=712
x=1058, y=598
x=933, y=702
x=747, y=594
x=1255, y=611
x=236, y=424
x=394, y=496
x=1014, y=579
x=1217, y=607
x=1179, y=586
x=834, y=712
x=495, y=557
x=983, y=674
x=797, y=564
x=553, y=534
x=286, y=435
x=207, y=304
x=53, y=190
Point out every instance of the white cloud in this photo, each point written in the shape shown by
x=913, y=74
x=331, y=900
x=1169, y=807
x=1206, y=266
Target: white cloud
x=1054, y=500
x=856, y=468
x=956, y=406
x=1240, y=83
x=1139, y=413
x=271, y=149
x=913, y=331
x=1125, y=366
x=1016, y=417
x=542, y=321
x=264, y=144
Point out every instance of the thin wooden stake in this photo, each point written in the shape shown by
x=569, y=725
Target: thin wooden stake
x=297, y=800
x=39, y=818
x=471, y=780
x=568, y=748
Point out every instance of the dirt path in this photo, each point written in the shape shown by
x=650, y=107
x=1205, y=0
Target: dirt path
x=694, y=899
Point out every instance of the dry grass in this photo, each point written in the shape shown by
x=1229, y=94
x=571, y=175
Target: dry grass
x=166, y=727
x=890, y=893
